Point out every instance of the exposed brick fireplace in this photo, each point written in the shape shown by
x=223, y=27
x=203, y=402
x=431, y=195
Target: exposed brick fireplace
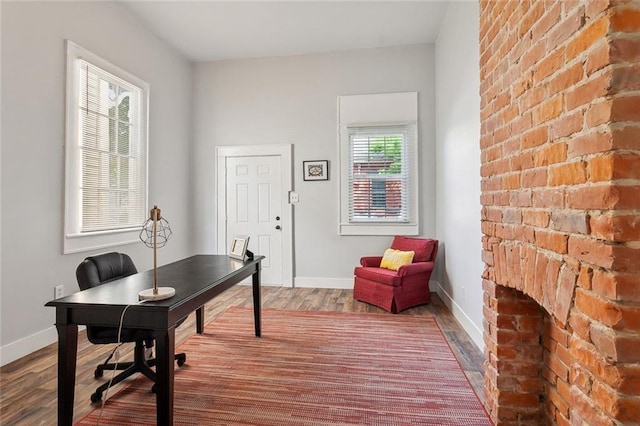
x=560, y=139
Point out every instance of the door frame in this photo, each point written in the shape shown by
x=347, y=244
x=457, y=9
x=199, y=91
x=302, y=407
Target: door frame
x=284, y=151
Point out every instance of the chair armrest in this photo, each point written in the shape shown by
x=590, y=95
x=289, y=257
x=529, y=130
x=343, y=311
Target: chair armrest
x=371, y=261
x=416, y=268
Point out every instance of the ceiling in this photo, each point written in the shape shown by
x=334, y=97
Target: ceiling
x=219, y=30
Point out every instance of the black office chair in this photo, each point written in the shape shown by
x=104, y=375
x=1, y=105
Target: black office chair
x=101, y=269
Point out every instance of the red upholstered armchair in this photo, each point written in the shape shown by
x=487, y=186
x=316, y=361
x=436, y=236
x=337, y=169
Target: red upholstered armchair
x=395, y=291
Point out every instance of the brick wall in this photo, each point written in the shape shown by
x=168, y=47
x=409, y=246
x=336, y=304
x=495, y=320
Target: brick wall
x=560, y=139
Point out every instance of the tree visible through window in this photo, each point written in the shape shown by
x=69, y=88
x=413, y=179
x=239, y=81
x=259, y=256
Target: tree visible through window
x=379, y=178
x=111, y=162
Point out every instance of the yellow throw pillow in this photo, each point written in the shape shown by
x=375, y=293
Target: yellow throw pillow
x=394, y=259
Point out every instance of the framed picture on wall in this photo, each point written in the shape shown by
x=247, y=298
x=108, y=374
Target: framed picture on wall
x=315, y=170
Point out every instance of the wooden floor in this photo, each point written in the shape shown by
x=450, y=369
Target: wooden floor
x=28, y=385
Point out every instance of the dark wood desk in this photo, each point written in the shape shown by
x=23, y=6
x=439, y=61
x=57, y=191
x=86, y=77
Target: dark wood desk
x=196, y=280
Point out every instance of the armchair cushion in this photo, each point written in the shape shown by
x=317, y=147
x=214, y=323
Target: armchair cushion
x=393, y=278
x=423, y=248
x=394, y=259
x=383, y=276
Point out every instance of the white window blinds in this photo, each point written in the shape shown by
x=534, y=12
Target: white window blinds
x=113, y=163
x=379, y=174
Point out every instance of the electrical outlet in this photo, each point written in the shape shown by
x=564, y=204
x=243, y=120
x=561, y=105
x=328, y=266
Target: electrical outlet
x=58, y=291
x=293, y=197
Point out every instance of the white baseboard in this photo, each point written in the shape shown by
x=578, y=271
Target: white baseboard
x=313, y=282
x=23, y=347
x=26, y=345
x=472, y=329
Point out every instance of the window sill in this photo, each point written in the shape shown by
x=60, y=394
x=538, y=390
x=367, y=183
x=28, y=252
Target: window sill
x=76, y=243
x=378, y=229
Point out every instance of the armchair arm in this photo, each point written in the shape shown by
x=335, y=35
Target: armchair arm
x=415, y=268
x=371, y=261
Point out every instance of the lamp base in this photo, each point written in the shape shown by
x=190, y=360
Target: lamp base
x=163, y=293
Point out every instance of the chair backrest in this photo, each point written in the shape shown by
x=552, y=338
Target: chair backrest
x=425, y=249
x=100, y=269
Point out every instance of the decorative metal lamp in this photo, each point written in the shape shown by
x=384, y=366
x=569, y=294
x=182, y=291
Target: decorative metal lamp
x=154, y=234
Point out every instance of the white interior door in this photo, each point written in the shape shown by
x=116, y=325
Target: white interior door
x=277, y=267
x=254, y=208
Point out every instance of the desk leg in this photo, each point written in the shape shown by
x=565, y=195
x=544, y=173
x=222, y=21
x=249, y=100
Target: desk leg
x=165, y=350
x=67, y=351
x=255, y=278
x=200, y=320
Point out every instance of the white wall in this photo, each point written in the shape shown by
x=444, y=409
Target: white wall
x=1, y=180
x=458, y=166
x=254, y=101
x=33, y=90
x=293, y=100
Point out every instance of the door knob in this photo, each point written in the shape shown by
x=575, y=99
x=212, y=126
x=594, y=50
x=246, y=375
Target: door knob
x=278, y=227
x=277, y=217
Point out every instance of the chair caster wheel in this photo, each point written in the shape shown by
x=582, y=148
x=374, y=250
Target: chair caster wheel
x=95, y=397
x=154, y=388
x=182, y=360
x=98, y=373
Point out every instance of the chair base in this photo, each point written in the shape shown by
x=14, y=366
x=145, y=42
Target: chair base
x=391, y=299
x=139, y=365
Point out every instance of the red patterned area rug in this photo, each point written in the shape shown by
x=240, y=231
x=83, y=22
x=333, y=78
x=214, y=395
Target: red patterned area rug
x=310, y=368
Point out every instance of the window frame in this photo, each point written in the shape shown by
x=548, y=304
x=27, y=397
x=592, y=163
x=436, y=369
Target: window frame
x=392, y=110
x=74, y=239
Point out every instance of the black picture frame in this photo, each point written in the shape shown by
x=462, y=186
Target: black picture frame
x=315, y=170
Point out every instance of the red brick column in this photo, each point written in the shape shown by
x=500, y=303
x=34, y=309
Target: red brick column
x=560, y=141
